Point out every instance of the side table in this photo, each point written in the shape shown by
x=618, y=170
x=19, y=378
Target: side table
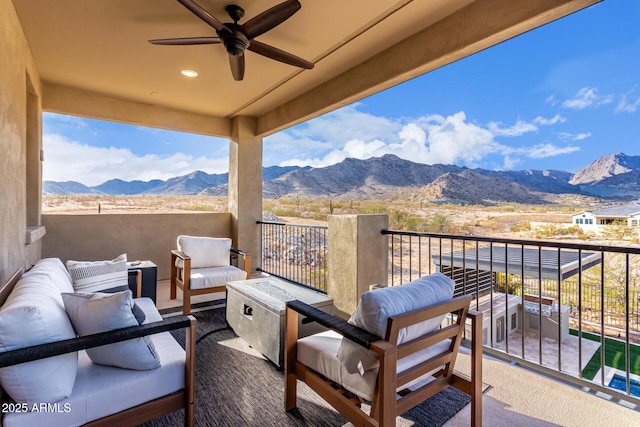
x=149, y=278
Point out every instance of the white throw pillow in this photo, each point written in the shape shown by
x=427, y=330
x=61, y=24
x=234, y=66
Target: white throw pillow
x=55, y=269
x=34, y=314
x=96, y=312
x=205, y=251
x=376, y=306
x=99, y=276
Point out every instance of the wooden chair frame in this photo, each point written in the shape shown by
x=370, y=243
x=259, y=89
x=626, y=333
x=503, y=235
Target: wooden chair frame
x=180, y=277
x=182, y=399
x=385, y=406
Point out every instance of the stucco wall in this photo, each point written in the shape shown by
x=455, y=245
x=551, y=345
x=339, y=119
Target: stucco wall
x=16, y=65
x=142, y=236
x=358, y=255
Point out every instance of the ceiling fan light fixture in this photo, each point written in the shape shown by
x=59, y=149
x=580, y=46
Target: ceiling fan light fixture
x=189, y=73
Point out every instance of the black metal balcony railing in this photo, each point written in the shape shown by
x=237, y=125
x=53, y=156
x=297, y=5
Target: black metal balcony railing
x=567, y=309
x=297, y=253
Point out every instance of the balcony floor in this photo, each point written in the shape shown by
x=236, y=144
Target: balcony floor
x=516, y=396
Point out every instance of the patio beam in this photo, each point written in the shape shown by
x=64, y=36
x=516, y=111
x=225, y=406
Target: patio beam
x=83, y=103
x=479, y=25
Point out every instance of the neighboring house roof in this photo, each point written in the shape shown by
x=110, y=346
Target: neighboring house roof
x=623, y=211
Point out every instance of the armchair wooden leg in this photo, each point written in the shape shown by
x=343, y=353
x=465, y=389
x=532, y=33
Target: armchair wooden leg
x=172, y=290
x=186, y=301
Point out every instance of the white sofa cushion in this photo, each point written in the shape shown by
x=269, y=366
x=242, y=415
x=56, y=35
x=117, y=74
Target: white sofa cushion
x=97, y=312
x=205, y=251
x=34, y=314
x=100, y=276
x=57, y=272
x=320, y=353
x=376, y=306
x=104, y=390
x=202, y=278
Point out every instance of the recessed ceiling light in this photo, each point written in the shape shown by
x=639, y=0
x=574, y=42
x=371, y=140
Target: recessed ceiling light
x=189, y=73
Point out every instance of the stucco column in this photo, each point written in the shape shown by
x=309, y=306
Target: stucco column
x=245, y=186
x=357, y=258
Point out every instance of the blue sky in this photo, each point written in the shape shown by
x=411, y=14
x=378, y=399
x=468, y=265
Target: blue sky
x=558, y=97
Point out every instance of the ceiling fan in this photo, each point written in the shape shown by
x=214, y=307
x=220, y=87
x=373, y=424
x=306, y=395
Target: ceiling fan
x=236, y=38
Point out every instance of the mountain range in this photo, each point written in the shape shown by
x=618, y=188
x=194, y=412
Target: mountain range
x=614, y=176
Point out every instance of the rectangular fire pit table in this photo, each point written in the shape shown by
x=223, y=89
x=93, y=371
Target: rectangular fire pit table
x=256, y=308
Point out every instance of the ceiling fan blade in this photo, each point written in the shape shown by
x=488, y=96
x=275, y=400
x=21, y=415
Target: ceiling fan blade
x=279, y=55
x=186, y=41
x=237, y=67
x=270, y=18
x=197, y=10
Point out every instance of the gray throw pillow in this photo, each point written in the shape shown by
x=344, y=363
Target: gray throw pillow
x=95, y=312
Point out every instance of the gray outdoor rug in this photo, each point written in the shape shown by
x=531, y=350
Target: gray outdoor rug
x=236, y=386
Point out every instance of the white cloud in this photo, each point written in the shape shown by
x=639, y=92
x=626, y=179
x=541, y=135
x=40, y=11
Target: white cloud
x=510, y=163
x=542, y=151
x=587, y=97
x=566, y=136
x=624, y=105
x=433, y=139
x=548, y=122
x=521, y=127
x=67, y=160
x=518, y=129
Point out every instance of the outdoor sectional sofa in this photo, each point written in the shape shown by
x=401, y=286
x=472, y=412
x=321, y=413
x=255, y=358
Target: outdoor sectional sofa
x=48, y=376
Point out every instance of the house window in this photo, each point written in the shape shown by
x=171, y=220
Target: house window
x=634, y=222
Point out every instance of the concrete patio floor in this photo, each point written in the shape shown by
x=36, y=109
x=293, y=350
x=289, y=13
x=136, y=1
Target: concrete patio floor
x=516, y=396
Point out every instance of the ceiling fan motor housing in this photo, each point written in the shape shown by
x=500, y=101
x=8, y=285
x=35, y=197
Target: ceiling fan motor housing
x=233, y=40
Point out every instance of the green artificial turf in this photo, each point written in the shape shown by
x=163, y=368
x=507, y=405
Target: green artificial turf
x=614, y=356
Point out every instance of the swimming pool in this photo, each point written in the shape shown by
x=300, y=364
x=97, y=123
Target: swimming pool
x=620, y=383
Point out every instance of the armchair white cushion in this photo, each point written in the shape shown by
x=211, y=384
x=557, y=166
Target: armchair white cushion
x=205, y=251
x=376, y=306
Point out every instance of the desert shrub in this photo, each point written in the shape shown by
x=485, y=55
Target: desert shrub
x=439, y=224
x=619, y=230
x=372, y=208
x=522, y=226
x=514, y=286
x=197, y=207
x=267, y=205
x=292, y=213
x=548, y=231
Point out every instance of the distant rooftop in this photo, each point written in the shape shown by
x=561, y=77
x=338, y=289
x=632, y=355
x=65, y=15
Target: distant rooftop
x=621, y=211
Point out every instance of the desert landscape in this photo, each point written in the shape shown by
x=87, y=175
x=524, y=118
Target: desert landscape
x=505, y=220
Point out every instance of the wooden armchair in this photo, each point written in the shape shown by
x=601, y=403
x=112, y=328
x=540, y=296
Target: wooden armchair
x=203, y=265
x=317, y=361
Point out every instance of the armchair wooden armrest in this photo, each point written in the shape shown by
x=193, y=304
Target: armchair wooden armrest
x=236, y=254
x=347, y=330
